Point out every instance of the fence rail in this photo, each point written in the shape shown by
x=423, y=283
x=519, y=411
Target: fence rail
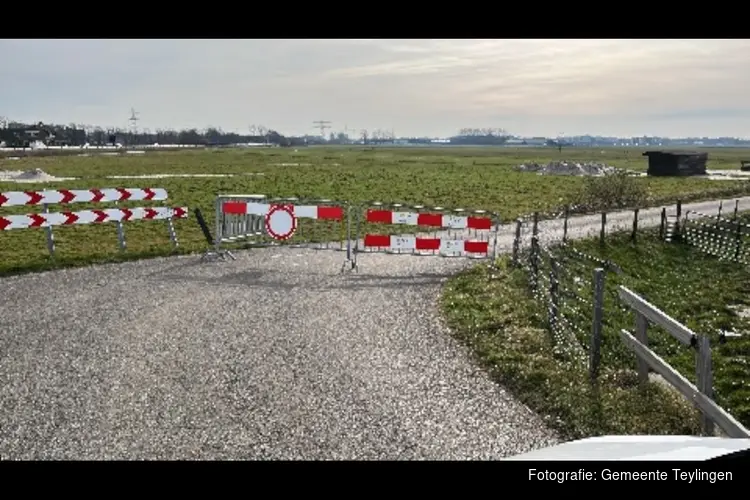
x=702, y=394
x=572, y=297
x=710, y=409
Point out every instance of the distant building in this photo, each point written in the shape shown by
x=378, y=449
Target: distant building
x=676, y=163
x=536, y=141
x=23, y=137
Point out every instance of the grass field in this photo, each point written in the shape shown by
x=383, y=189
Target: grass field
x=506, y=329
x=452, y=177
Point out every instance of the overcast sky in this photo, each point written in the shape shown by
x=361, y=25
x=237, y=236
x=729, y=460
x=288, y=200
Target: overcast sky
x=414, y=87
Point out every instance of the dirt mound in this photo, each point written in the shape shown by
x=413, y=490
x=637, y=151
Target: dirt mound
x=29, y=176
x=568, y=168
x=36, y=174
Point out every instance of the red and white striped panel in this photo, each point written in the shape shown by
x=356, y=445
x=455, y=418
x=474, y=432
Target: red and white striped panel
x=49, y=197
x=91, y=217
x=300, y=211
x=427, y=219
x=448, y=247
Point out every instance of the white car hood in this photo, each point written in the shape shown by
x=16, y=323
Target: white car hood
x=639, y=448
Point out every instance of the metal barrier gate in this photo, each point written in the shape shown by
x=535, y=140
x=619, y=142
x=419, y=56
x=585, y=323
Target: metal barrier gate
x=258, y=221
x=444, y=232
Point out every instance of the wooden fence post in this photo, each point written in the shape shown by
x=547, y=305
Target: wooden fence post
x=641, y=335
x=737, y=241
x=663, y=225
x=676, y=230
x=704, y=379
x=635, y=225
x=604, y=226
x=553, y=294
x=565, y=224
x=535, y=254
x=596, y=327
x=534, y=264
x=517, y=242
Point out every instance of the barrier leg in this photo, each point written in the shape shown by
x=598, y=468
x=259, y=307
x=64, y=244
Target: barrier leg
x=121, y=235
x=216, y=251
x=350, y=259
x=493, y=254
x=50, y=235
x=172, y=233
x=355, y=238
x=222, y=253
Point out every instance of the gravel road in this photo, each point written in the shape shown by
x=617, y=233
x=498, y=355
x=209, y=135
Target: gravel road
x=273, y=356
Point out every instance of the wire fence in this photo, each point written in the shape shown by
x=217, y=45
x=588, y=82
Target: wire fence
x=563, y=279
x=575, y=300
x=579, y=295
x=725, y=238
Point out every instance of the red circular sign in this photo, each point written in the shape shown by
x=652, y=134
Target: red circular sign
x=281, y=222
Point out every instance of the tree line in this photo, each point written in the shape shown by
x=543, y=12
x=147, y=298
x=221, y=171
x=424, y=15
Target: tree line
x=17, y=134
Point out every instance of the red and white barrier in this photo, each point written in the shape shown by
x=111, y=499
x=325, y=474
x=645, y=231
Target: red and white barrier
x=447, y=221
x=49, y=197
x=47, y=220
x=300, y=211
x=439, y=245
x=467, y=233
x=9, y=222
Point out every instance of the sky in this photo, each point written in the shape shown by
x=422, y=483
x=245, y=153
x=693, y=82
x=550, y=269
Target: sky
x=414, y=87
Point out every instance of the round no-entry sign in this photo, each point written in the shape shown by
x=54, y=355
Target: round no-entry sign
x=281, y=222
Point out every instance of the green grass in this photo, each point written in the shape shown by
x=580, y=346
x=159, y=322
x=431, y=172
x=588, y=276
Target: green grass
x=507, y=330
x=694, y=288
x=498, y=320
x=481, y=178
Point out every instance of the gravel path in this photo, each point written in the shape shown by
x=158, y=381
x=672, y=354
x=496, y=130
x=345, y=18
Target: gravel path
x=272, y=356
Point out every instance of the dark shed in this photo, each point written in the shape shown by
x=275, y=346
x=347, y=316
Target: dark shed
x=676, y=163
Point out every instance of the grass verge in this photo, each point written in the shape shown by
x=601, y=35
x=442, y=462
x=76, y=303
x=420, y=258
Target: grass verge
x=506, y=328
x=697, y=289
x=492, y=312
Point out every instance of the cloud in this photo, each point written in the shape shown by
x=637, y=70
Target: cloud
x=434, y=87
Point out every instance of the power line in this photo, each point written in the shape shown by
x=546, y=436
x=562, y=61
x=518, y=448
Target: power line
x=322, y=125
x=134, y=120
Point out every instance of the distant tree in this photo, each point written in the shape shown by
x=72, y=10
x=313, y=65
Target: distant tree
x=79, y=134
